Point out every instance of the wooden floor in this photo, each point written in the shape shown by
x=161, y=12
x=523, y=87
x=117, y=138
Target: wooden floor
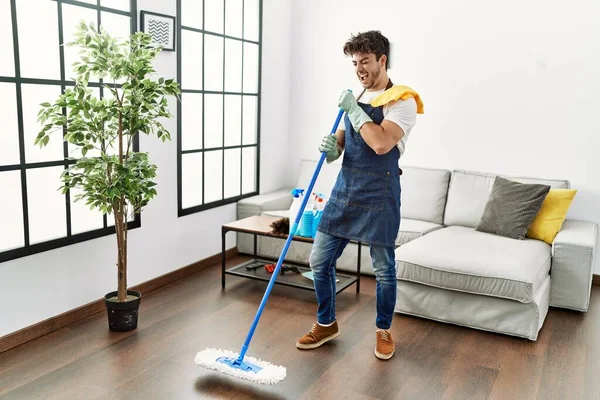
x=432, y=361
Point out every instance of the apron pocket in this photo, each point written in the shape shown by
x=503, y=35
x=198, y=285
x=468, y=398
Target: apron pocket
x=366, y=189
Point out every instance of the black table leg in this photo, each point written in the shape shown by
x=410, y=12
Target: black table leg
x=223, y=233
x=358, y=268
x=255, y=245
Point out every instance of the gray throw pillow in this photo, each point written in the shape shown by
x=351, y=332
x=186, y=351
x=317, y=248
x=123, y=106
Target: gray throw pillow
x=512, y=207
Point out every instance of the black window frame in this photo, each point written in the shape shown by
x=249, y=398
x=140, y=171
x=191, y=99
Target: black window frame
x=30, y=249
x=180, y=152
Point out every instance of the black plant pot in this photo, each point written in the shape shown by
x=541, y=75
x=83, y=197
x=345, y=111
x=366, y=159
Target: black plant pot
x=122, y=316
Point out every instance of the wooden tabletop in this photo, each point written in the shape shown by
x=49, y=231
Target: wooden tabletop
x=259, y=224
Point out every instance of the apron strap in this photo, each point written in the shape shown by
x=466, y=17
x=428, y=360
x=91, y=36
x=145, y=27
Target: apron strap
x=389, y=85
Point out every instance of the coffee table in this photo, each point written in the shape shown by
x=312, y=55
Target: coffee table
x=255, y=268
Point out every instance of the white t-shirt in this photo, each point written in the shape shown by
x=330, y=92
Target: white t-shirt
x=401, y=112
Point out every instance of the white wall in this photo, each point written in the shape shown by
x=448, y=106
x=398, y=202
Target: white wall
x=79, y=274
x=519, y=75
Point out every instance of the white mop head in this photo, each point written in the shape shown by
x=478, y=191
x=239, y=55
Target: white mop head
x=269, y=374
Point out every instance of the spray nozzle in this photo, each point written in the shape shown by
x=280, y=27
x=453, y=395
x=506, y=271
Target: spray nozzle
x=319, y=196
x=297, y=192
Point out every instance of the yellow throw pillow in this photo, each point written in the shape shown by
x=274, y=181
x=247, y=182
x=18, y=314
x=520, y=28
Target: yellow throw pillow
x=552, y=215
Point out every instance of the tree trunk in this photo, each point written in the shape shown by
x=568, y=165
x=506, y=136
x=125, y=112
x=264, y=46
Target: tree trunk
x=121, y=257
x=121, y=229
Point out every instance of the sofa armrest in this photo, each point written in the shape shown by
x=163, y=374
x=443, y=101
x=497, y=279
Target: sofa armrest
x=573, y=253
x=276, y=200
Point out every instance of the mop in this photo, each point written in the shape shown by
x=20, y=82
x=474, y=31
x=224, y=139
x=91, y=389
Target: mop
x=246, y=367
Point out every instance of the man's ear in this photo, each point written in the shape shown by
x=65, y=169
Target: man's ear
x=383, y=61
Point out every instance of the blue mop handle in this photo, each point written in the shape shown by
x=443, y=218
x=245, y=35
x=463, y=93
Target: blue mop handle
x=293, y=229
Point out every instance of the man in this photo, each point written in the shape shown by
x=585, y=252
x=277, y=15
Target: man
x=365, y=202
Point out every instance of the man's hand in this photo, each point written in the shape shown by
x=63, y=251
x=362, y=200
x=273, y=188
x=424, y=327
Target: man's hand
x=347, y=101
x=356, y=115
x=331, y=147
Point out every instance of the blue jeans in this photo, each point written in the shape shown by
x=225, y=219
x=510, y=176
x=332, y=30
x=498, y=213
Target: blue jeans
x=325, y=252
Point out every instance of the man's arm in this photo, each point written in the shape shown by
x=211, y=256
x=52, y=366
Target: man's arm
x=400, y=117
x=341, y=139
x=381, y=138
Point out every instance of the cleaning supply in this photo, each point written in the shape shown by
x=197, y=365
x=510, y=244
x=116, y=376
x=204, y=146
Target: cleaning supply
x=306, y=223
x=246, y=367
x=395, y=93
x=296, y=202
x=318, y=211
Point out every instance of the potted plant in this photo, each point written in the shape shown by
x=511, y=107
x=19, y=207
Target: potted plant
x=116, y=179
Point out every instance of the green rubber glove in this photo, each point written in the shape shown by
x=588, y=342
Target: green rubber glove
x=356, y=115
x=331, y=147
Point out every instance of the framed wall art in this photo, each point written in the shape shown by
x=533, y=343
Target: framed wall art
x=161, y=27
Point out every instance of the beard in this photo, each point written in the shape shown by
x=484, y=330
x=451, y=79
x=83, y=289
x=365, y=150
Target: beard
x=369, y=80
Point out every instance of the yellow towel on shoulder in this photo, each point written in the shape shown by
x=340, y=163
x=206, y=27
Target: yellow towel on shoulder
x=398, y=92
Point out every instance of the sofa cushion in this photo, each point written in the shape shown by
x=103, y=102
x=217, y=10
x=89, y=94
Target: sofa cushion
x=411, y=229
x=463, y=259
x=277, y=213
x=511, y=207
x=469, y=191
x=424, y=193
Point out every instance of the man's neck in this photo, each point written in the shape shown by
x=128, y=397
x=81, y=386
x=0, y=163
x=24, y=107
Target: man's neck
x=381, y=83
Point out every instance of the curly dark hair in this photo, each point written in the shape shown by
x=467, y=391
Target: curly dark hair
x=369, y=42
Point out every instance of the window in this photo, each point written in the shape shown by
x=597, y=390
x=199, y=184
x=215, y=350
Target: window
x=218, y=146
x=35, y=68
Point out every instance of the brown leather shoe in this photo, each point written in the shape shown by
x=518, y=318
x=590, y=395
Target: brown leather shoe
x=318, y=335
x=385, y=345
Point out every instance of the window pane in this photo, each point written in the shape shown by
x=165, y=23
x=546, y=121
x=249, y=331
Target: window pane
x=233, y=120
x=9, y=138
x=191, y=121
x=213, y=121
x=191, y=180
x=250, y=119
x=214, y=16
x=38, y=39
x=191, y=60
x=94, y=2
x=233, y=18
x=213, y=181
x=233, y=66
x=191, y=13
x=33, y=96
x=7, y=61
x=251, y=21
x=117, y=26
x=47, y=212
x=250, y=68
x=232, y=172
x=71, y=18
x=249, y=170
x=213, y=63
x=117, y=4
x=11, y=211
x=83, y=219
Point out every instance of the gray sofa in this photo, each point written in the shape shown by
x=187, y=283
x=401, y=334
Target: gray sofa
x=447, y=270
